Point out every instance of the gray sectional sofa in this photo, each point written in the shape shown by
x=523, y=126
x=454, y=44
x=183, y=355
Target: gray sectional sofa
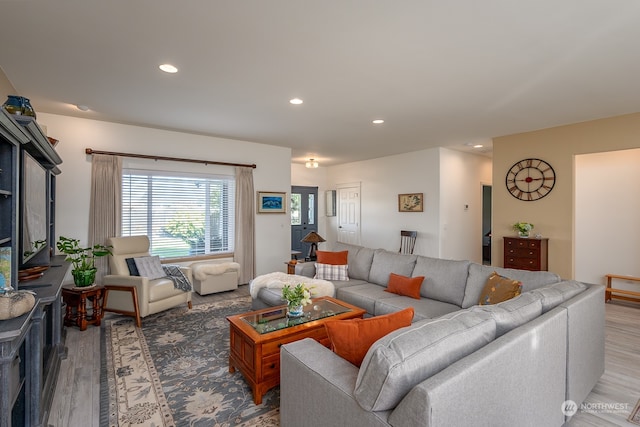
x=458, y=364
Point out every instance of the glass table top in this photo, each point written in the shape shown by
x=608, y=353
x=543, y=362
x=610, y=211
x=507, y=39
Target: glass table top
x=277, y=319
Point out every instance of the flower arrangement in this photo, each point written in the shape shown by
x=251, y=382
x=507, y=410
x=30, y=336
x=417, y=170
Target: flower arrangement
x=296, y=296
x=523, y=228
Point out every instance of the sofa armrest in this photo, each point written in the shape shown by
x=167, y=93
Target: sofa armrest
x=142, y=289
x=188, y=273
x=307, y=269
x=316, y=388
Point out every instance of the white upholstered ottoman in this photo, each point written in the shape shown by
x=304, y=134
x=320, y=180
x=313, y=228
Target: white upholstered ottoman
x=210, y=276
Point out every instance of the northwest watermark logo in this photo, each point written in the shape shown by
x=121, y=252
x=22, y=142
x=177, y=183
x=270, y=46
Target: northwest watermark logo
x=570, y=408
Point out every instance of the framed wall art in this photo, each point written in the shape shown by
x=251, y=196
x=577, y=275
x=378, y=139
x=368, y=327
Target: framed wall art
x=272, y=202
x=411, y=202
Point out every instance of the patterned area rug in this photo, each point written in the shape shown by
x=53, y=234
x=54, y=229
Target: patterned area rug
x=175, y=372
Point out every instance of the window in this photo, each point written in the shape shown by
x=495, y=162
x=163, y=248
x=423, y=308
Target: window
x=183, y=214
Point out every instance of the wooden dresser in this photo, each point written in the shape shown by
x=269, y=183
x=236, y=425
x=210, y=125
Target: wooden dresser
x=526, y=253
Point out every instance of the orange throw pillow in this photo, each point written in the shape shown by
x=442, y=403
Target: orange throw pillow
x=351, y=339
x=333, y=258
x=403, y=285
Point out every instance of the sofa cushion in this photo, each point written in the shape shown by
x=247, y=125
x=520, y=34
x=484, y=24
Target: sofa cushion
x=499, y=288
x=513, y=313
x=445, y=279
x=385, y=262
x=406, y=357
x=335, y=258
x=553, y=295
x=402, y=285
x=351, y=339
x=425, y=308
x=478, y=275
x=359, y=259
x=363, y=296
x=150, y=267
x=161, y=289
x=331, y=272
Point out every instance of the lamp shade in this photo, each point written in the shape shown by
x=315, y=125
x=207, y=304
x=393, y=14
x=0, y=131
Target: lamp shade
x=312, y=237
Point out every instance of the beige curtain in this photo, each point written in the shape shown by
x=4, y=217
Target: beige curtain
x=245, y=251
x=105, y=211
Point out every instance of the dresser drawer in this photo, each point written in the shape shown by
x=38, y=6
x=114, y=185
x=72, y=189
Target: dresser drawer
x=521, y=243
x=271, y=366
x=523, y=263
x=523, y=253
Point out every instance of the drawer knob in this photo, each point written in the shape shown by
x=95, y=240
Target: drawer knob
x=273, y=365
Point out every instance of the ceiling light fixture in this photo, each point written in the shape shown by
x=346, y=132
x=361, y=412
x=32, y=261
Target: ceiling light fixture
x=311, y=164
x=82, y=107
x=296, y=101
x=478, y=146
x=378, y=121
x=168, y=68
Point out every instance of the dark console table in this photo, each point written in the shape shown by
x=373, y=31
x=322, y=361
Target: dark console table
x=31, y=348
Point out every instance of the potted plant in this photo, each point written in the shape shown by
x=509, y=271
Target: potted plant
x=296, y=298
x=82, y=259
x=523, y=228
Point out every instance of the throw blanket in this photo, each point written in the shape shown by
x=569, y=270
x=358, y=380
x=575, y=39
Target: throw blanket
x=277, y=280
x=178, y=278
x=201, y=270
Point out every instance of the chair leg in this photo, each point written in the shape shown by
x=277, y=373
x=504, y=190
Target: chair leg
x=189, y=305
x=134, y=298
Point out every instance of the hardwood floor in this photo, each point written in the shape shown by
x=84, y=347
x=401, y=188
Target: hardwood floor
x=77, y=397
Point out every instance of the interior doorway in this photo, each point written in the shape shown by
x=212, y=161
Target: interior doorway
x=304, y=217
x=349, y=213
x=486, y=224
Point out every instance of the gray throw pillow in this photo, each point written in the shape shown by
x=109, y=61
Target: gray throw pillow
x=150, y=267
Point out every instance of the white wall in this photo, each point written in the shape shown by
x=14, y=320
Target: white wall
x=461, y=178
x=273, y=233
x=607, y=238
x=449, y=179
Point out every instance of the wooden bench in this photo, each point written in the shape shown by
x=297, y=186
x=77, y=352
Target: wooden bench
x=623, y=294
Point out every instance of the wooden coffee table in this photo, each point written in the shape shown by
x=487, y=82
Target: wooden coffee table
x=256, y=337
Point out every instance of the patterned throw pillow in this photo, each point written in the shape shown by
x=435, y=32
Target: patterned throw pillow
x=498, y=289
x=150, y=267
x=331, y=272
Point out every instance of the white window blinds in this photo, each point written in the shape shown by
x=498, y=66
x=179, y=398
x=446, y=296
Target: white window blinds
x=183, y=214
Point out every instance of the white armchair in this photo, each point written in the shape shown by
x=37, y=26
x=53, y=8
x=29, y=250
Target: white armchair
x=153, y=296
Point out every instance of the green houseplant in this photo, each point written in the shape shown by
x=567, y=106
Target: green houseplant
x=296, y=298
x=82, y=259
x=523, y=228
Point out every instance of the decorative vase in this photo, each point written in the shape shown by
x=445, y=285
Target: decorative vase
x=523, y=234
x=294, y=310
x=84, y=278
x=19, y=106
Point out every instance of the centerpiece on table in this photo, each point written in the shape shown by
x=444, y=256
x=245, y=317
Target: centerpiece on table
x=296, y=297
x=82, y=259
x=523, y=228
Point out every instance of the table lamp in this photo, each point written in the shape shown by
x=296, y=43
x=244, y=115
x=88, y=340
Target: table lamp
x=313, y=238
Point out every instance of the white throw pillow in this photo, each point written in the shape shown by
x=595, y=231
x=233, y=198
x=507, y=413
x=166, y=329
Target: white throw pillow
x=150, y=267
x=331, y=272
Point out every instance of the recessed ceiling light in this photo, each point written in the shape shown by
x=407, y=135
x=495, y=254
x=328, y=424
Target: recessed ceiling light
x=478, y=146
x=168, y=68
x=296, y=101
x=82, y=107
x=378, y=121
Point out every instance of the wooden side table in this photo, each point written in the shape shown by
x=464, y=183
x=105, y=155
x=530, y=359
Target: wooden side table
x=627, y=295
x=76, y=302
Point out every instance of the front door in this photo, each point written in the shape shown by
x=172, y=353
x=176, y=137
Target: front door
x=304, y=216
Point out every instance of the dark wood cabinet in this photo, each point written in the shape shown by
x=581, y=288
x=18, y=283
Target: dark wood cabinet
x=526, y=253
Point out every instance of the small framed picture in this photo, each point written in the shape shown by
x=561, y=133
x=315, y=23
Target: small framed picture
x=411, y=202
x=272, y=202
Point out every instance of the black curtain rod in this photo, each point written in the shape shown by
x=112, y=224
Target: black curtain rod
x=171, y=159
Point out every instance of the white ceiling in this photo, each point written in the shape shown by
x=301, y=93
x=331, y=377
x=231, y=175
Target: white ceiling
x=439, y=72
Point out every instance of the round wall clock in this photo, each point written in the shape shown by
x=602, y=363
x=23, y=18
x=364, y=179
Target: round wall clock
x=530, y=179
